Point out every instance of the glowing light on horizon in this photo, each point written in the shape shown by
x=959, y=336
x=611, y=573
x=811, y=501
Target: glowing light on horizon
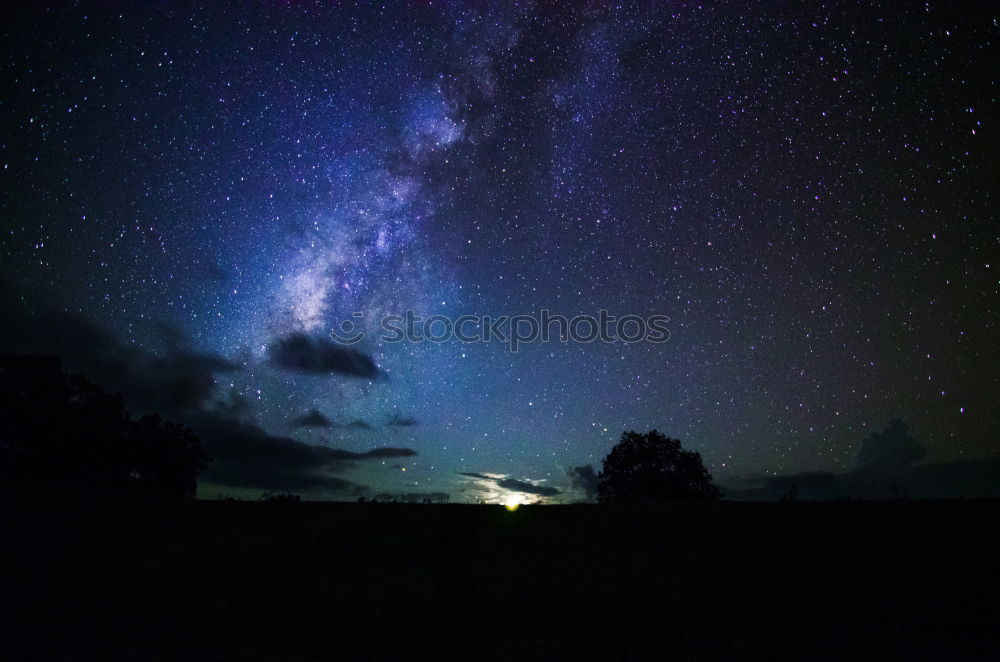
x=512, y=502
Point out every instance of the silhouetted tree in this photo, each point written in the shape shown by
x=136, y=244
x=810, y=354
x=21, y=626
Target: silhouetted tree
x=653, y=467
x=60, y=427
x=166, y=457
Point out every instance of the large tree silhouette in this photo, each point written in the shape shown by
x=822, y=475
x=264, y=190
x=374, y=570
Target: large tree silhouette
x=60, y=428
x=653, y=467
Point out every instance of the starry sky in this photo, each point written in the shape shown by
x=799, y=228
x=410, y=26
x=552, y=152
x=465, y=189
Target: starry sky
x=807, y=190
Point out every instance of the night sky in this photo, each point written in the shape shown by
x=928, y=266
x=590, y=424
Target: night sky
x=809, y=192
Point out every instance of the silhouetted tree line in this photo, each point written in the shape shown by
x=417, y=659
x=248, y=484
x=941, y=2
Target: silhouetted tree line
x=652, y=467
x=61, y=428
x=280, y=497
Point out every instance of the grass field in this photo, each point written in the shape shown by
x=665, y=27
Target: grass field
x=108, y=580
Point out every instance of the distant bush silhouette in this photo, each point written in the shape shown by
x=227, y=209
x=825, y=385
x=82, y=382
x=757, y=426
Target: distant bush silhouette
x=60, y=427
x=653, y=467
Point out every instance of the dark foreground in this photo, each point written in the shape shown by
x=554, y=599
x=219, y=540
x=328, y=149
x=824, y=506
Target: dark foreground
x=257, y=581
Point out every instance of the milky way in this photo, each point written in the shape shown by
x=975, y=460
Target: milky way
x=808, y=193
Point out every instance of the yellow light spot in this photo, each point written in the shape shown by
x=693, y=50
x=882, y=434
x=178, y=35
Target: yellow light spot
x=512, y=502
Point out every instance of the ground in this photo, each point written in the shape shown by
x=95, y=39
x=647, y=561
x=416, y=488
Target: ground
x=107, y=579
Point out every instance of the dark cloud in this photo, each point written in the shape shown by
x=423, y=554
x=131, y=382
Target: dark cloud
x=299, y=352
x=245, y=455
x=938, y=480
x=397, y=421
x=891, y=449
x=886, y=467
x=178, y=381
x=963, y=478
x=388, y=451
x=821, y=485
x=234, y=403
x=514, y=485
x=177, y=377
x=527, y=488
x=314, y=419
x=356, y=424
x=584, y=478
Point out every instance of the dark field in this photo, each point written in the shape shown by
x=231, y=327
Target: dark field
x=258, y=581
